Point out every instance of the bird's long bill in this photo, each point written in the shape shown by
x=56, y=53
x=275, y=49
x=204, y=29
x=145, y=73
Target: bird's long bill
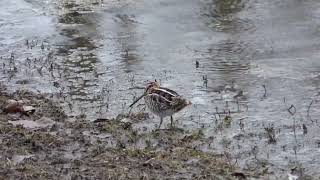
x=134, y=102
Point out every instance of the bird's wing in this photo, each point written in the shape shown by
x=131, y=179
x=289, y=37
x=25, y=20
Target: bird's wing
x=166, y=93
x=178, y=103
x=157, y=98
x=169, y=91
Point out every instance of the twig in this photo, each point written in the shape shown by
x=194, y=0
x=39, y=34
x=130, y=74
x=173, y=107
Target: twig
x=305, y=129
x=308, y=111
x=205, y=80
x=197, y=64
x=216, y=117
x=238, y=106
x=217, y=112
x=295, y=138
x=265, y=91
x=241, y=124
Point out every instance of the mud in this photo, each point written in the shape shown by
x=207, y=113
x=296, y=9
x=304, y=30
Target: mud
x=103, y=149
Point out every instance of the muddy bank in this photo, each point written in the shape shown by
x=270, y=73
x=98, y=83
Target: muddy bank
x=102, y=149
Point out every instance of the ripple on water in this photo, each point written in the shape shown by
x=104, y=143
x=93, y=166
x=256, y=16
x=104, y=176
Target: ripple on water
x=227, y=55
x=230, y=25
x=224, y=16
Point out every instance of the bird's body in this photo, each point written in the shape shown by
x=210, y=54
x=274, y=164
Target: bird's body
x=162, y=101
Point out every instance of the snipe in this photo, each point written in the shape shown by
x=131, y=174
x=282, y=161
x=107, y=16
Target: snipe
x=162, y=101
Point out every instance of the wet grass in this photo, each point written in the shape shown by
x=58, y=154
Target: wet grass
x=102, y=149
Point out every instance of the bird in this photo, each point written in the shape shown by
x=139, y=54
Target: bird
x=162, y=101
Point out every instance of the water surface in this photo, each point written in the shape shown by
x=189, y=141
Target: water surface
x=94, y=57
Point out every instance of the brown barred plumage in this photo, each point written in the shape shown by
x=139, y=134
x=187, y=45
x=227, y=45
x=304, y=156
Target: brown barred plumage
x=162, y=101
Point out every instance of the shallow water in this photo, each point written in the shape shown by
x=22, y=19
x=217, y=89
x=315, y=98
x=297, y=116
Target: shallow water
x=94, y=57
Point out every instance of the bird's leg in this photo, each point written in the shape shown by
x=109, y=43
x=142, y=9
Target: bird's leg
x=161, y=119
x=171, y=119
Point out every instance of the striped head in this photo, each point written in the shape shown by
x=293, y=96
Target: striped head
x=152, y=85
